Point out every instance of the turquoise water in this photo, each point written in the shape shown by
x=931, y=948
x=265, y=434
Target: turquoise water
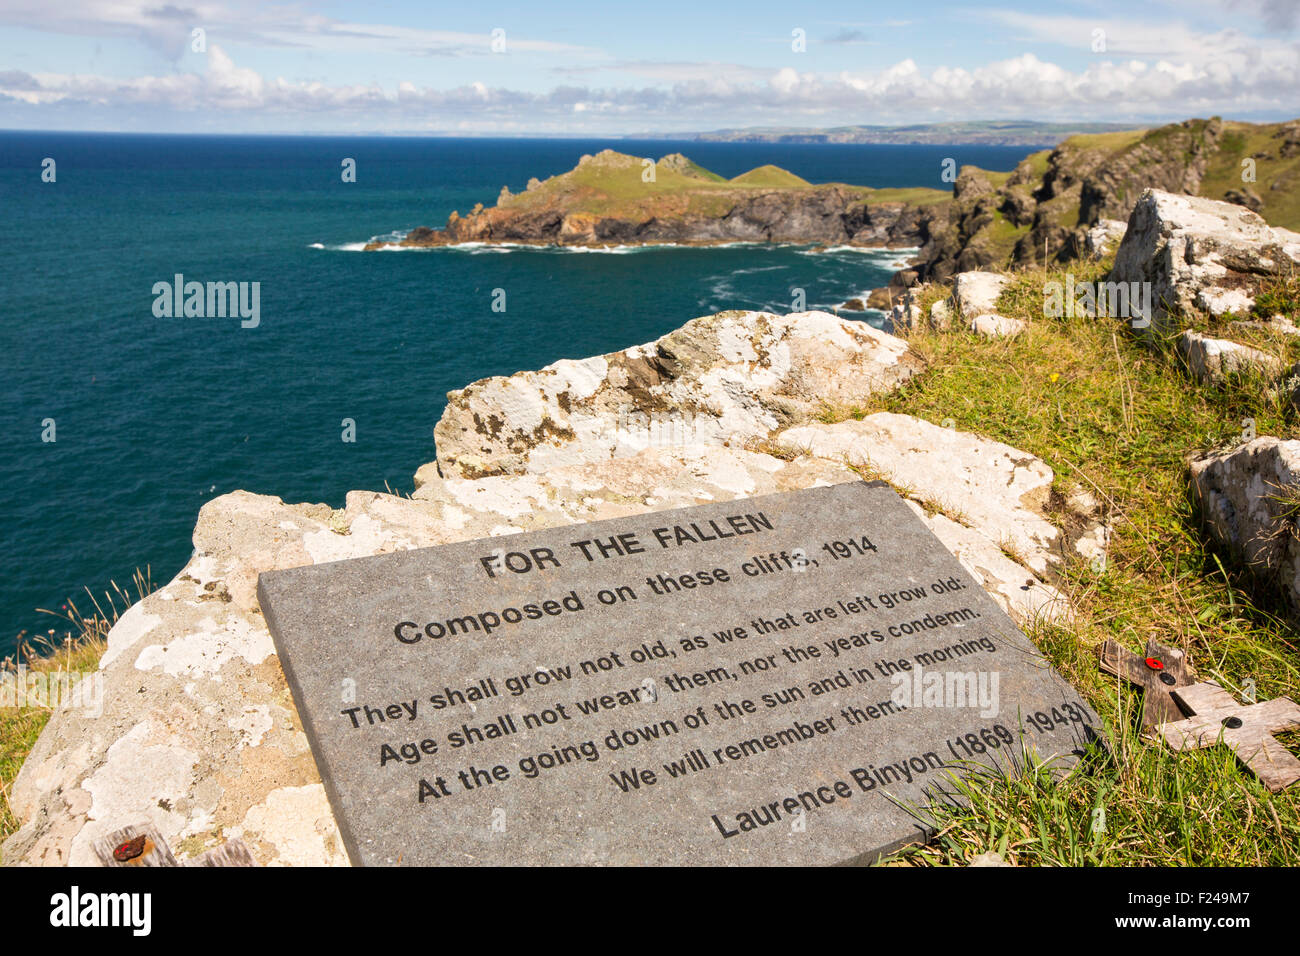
x=154, y=416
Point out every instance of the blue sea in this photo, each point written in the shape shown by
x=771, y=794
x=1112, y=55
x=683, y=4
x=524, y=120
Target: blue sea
x=152, y=417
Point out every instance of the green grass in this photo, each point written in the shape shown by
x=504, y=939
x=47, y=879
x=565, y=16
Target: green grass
x=614, y=186
x=1107, y=142
x=1119, y=417
x=996, y=178
x=1003, y=234
x=1037, y=164
x=913, y=195
x=1242, y=140
x=769, y=176
x=19, y=727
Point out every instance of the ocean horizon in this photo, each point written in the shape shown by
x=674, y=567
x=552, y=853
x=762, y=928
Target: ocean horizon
x=151, y=416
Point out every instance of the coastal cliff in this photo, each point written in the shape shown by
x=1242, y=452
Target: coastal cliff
x=612, y=198
x=1044, y=210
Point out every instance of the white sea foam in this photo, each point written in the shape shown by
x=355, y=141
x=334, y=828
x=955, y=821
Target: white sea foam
x=386, y=238
x=476, y=247
x=894, y=254
x=390, y=242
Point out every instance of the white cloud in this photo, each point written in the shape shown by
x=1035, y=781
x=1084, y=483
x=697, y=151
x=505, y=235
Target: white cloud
x=1122, y=88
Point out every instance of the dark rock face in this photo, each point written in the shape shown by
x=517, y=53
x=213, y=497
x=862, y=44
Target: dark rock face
x=1245, y=197
x=827, y=214
x=1173, y=161
x=1043, y=214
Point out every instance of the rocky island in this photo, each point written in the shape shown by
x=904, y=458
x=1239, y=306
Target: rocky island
x=614, y=199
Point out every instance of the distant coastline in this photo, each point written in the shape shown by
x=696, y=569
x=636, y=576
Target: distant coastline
x=974, y=133
x=614, y=199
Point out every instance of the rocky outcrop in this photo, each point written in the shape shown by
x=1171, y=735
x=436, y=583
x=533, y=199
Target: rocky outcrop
x=1059, y=205
x=829, y=214
x=974, y=293
x=1199, y=254
x=1171, y=158
x=996, y=326
x=1214, y=361
x=731, y=378
x=1249, y=497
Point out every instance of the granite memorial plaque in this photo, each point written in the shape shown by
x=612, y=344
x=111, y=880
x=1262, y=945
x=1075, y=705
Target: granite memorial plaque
x=783, y=679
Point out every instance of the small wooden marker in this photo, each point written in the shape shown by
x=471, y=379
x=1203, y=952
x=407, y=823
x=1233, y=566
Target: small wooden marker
x=143, y=845
x=1158, y=673
x=1246, y=729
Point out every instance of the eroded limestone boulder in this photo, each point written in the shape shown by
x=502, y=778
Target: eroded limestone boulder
x=1213, y=361
x=996, y=326
x=1000, y=492
x=726, y=378
x=976, y=293
x=1249, y=496
x=1201, y=254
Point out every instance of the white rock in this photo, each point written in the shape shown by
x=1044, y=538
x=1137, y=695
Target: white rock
x=997, y=326
x=1218, y=301
x=995, y=489
x=1212, y=360
x=1200, y=254
x=975, y=293
x=730, y=377
x=1103, y=237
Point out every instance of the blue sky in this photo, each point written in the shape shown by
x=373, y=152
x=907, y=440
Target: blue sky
x=616, y=67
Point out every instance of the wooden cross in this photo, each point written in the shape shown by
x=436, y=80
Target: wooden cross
x=1158, y=673
x=143, y=845
x=1247, y=730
